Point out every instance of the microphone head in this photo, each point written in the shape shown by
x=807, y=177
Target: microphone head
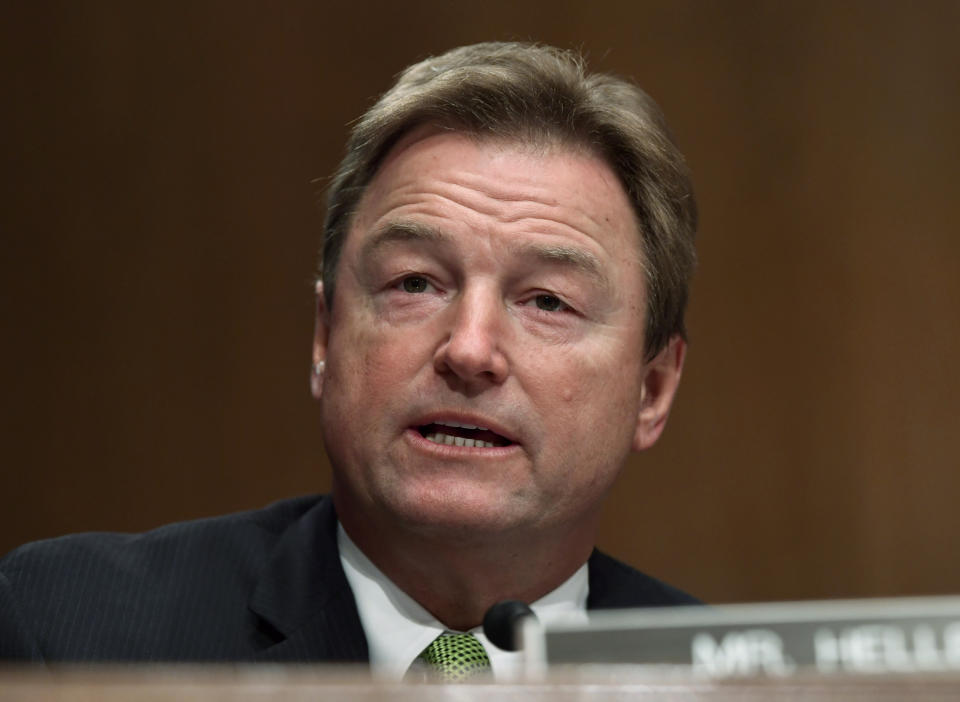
x=501, y=622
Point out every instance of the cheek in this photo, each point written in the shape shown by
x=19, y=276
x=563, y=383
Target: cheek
x=370, y=358
x=590, y=397
x=581, y=375
x=565, y=396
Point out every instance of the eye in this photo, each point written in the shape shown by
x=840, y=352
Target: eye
x=549, y=303
x=414, y=284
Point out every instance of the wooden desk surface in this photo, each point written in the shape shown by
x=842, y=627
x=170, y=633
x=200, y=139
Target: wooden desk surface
x=313, y=683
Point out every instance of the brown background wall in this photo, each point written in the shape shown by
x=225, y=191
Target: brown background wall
x=159, y=231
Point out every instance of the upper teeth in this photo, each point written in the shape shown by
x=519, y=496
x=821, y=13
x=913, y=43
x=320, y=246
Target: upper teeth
x=462, y=426
x=451, y=440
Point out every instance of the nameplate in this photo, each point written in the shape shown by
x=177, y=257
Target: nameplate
x=910, y=635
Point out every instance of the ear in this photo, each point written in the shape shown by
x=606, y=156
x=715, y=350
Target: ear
x=661, y=377
x=320, y=332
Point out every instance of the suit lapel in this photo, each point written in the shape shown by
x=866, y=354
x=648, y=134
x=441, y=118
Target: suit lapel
x=305, y=604
x=615, y=585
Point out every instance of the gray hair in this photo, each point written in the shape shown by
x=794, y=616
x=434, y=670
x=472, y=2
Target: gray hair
x=538, y=94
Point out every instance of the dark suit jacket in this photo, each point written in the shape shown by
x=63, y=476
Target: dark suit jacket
x=265, y=585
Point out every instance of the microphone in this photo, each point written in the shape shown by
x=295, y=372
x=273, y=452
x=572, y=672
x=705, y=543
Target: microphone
x=501, y=623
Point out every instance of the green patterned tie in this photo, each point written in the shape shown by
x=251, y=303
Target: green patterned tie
x=454, y=658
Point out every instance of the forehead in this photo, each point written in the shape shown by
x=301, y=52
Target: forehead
x=455, y=182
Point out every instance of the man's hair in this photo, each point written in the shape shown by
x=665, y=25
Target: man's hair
x=539, y=95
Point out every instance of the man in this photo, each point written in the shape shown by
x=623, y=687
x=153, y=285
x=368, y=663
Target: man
x=506, y=255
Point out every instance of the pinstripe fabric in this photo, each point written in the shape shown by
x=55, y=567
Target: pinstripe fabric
x=615, y=585
x=265, y=585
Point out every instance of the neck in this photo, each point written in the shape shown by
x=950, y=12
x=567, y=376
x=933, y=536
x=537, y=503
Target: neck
x=456, y=579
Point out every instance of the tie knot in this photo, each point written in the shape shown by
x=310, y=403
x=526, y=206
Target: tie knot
x=454, y=658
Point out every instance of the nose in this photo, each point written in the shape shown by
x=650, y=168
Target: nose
x=472, y=350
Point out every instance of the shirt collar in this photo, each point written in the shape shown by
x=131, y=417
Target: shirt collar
x=398, y=628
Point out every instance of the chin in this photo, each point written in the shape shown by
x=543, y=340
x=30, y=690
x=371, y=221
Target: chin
x=459, y=508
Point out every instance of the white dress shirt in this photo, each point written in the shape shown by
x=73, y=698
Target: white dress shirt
x=398, y=629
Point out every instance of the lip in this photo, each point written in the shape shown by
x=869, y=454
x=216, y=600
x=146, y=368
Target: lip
x=463, y=418
x=421, y=443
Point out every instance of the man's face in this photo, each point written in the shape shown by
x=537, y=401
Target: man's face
x=484, y=352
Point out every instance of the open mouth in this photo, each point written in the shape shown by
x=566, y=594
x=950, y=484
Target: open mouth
x=456, y=434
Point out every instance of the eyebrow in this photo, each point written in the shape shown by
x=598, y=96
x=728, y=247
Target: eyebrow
x=402, y=230
x=566, y=256
x=548, y=254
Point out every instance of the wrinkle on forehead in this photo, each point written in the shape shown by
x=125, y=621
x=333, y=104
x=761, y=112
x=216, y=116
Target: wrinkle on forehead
x=564, y=189
x=508, y=201
x=494, y=147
